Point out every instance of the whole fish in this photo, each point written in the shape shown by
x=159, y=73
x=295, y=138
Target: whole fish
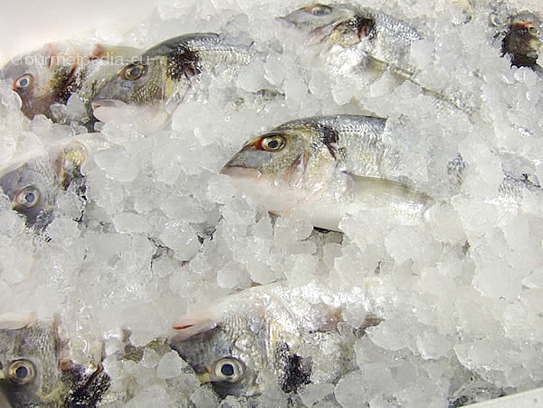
x=384, y=41
x=265, y=332
x=36, y=371
x=327, y=166
x=53, y=73
x=32, y=182
x=164, y=73
x=524, y=40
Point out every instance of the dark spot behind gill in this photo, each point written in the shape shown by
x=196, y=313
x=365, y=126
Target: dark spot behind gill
x=330, y=138
x=294, y=371
x=365, y=27
x=183, y=63
x=65, y=83
x=90, y=391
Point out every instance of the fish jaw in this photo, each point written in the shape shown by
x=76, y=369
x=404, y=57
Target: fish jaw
x=147, y=117
x=274, y=194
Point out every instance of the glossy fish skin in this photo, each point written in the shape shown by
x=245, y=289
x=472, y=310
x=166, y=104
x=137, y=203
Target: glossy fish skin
x=33, y=182
x=384, y=39
x=257, y=334
x=524, y=40
x=35, y=369
x=52, y=74
x=164, y=72
x=327, y=166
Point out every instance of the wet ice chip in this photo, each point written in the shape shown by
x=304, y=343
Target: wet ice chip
x=348, y=390
x=432, y=345
x=170, y=366
x=313, y=393
x=204, y=397
x=130, y=223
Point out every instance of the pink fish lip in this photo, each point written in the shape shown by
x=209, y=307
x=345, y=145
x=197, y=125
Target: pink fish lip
x=241, y=172
x=106, y=103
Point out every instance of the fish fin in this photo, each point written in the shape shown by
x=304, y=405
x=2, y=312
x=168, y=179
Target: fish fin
x=382, y=190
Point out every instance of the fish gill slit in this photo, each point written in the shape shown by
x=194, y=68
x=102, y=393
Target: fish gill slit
x=365, y=27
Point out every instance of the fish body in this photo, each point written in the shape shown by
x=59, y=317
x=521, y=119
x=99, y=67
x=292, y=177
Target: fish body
x=524, y=40
x=382, y=39
x=53, y=73
x=263, y=332
x=32, y=182
x=35, y=369
x=165, y=71
x=327, y=166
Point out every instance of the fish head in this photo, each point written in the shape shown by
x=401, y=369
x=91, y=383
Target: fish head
x=325, y=22
x=35, y=368
x=226, y=349
x=41, y=78
x=524, y=39
x=141, y=82
x=287, y=166
x=30, y=373
x=32, y=188
x=33, y=183
x=243, y=344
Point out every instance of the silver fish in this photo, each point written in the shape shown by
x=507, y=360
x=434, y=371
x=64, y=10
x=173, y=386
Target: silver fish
x=327, y=166
x=36, y=371
x=266, y=336
x=32, y=182
x=164, y=73
x=53, y=73
x=384, y=40
x=524, y=40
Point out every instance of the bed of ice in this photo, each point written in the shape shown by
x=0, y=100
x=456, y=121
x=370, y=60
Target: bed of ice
x=164, y=230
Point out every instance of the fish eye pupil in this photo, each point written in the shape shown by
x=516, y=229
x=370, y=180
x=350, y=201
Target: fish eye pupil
x=272, y=144
x=227, y=370
x=30, y=197
x=21, y=372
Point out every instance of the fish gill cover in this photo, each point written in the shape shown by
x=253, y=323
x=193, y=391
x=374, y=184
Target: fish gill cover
x=150, y=232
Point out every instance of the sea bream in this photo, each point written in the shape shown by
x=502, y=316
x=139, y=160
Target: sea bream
x=164, y=73
x=36, y=369
x=53, y=73
x=267, y=336
x=382, y=41
x=327, y=166
x=33, y=181
x=523, y=41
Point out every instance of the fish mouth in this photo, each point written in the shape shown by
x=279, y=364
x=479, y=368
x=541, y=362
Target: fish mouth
x=241, y=172
x=107, y=103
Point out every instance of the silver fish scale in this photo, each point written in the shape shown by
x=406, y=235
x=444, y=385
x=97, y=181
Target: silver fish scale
x=207, y=49
x=391, y=42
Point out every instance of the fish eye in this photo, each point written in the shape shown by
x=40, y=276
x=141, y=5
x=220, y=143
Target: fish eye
x=133, y=72
x=23, y=82
x=272, y=143
x=21, y=372
x=229, y=369
x=320, y=10
x=27, y=197
x=533, y=30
